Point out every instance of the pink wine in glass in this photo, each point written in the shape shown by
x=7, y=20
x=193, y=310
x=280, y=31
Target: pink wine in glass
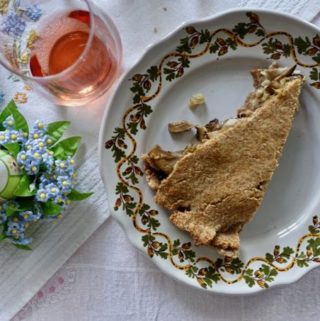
x=60, y=47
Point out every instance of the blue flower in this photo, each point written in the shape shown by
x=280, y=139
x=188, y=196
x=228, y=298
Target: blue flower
x=36, y=134
x=6, y=204
x=22, y=137
x=65, y=184
x=33, y=13
x=15, y=229
x=45, y=180
x=33, y=168
x=11, y=136
x=29, y=163
x=29, y=216
x=42, y=195
x=64, y=167
x=38, y=145
x=48, y=161
x=4, y=137
x=22, y=158
x=35, y=156
x=9, y=123
x=61, y=200
x=39, y=125
x=14, y=25
x=52, y=190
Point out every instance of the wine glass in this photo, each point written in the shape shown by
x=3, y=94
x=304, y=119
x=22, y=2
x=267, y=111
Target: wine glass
x=70, y=49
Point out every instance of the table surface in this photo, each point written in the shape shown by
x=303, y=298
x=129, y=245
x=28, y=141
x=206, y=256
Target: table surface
x=107, y=279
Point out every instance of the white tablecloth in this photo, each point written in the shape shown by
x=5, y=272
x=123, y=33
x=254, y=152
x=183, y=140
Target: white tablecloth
x=107, y=279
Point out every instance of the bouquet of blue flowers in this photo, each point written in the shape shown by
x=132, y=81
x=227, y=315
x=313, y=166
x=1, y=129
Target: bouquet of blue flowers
x=37, y=172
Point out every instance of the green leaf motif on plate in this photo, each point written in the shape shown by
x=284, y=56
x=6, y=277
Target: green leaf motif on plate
x=117, y=144
x=148, y=217
x=221, y=46
x=276, y=49
x=132, y=170
x=175, y=68
x=315, y=227
x=258, y=271
x=279, y=256
x=124, y=199
x=183, y=251
x=155, y=247
x=242, y=29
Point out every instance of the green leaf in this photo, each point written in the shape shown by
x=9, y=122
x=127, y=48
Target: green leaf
x=184, y=45
x=5, y=113
x=133, y=130
x=78, y=196
x=26, y=203
x=286, y=50
x=269, y=257
x=67, y=147
x=302, y=44
x=153, y=223
x=316, y=58
x=315, y=246
x=237, y=265
x=287, y=251
x=265, y=268
x=214, y=48
x=147, y=238
x=249, y=281
x=273, y=273
x=314, y=75
x=302, y=260
x=23, y=247
x=249, y=272
x=163, y=255
x=2, y=237
x=20, y=121
x=55, y=130
x=205, y=36
x=312, y=229
x=190, y=255
x=153, y=72
x=23, y=188
x=260, y=33
x=121, y=188
x=12, y=148
x=191, y=271
x=212, y=275
x=10, y=210
x=49, y=209
x=241, y=29
x=144, y=208
x=231, y=43
x=176, y=243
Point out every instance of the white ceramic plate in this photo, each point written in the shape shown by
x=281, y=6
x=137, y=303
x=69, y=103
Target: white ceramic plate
x=214, y=56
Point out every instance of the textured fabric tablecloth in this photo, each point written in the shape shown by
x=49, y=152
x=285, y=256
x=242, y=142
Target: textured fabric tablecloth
x=107, y=279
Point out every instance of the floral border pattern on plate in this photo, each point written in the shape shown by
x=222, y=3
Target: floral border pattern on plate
x=257, y=271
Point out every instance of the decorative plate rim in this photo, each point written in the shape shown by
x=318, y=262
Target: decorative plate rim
x=294, y=277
